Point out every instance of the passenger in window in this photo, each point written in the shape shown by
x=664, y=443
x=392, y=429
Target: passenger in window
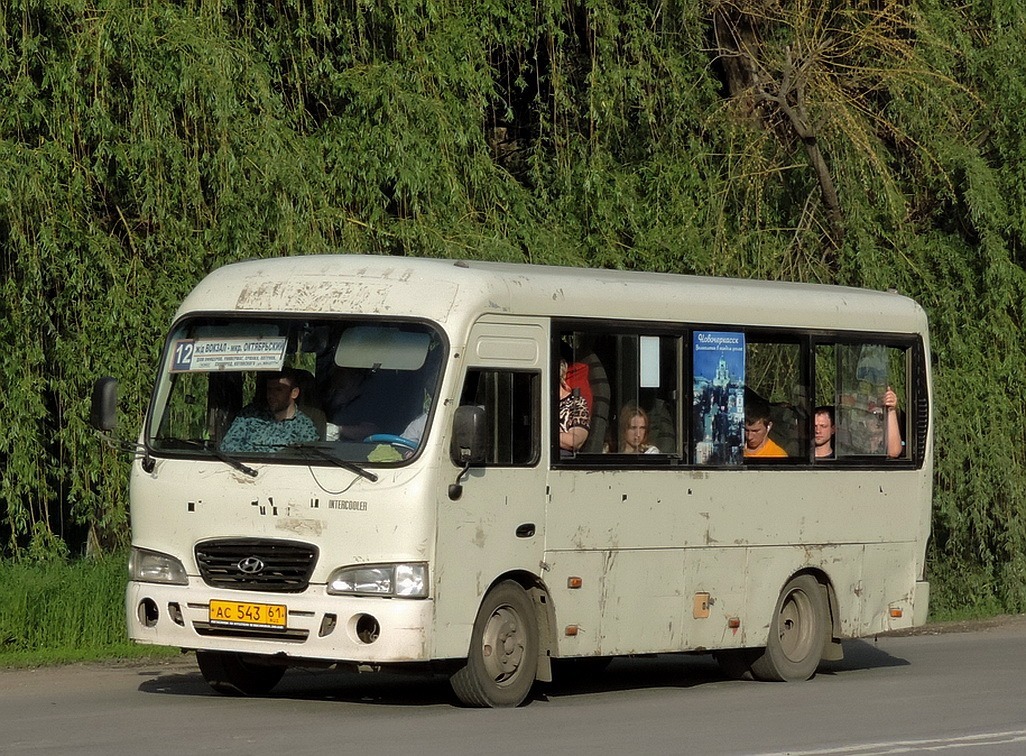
x=634, y=431
x=353, y=403
x=414, y=430
x=574, y=418
x=895, y=447
x=879, y=428
x=268, y=429
x=757, y=430
x=824, y=430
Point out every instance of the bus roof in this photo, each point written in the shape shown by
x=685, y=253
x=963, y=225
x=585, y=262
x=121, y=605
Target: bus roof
x=450, y=291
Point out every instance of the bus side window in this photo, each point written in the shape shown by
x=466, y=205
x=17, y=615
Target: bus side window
x=774, y=384
x=871, y=393
x=647, y=377
x=633, y=380
x=511, y=401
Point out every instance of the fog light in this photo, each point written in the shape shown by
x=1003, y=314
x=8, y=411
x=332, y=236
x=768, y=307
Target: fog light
x=148, y=613
x=367, y=628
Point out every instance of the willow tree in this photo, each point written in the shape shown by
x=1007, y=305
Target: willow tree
x=818, y=93
x=869, y=142
x=882, y=138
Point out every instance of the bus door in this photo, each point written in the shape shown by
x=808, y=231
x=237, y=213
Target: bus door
x=496, y=525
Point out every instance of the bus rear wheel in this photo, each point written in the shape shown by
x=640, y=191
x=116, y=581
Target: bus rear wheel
x=503, y=658
x=797, y=633
x=235, y=675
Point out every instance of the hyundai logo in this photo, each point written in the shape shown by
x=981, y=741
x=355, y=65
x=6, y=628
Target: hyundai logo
x=251, y=565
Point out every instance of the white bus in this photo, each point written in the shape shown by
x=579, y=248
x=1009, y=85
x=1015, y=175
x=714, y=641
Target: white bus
x=436, y=518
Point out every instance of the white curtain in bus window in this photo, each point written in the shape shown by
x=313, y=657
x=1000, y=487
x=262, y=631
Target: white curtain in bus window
x=648, y=357
x=718, y=397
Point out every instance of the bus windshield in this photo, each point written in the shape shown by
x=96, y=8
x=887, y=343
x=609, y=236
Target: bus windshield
x=297, y=390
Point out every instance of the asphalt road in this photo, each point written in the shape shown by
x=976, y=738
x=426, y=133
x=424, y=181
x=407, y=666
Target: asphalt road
x=953, y=689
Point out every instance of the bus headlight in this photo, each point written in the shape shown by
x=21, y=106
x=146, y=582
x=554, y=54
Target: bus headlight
x=402, y=580
x=153, y=567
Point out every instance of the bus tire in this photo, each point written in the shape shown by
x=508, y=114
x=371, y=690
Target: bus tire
x=234, y=675
x=797, y=633
x=503, y=658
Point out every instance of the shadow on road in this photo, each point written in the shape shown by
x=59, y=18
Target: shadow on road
x=862, y=654
x=381, y=688
x=395, y=689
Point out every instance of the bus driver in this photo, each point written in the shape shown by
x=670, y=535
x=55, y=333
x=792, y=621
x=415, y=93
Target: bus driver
x=280, y=423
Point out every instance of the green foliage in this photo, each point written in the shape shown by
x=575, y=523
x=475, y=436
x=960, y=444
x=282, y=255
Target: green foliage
x=142, y=145
x=64, y=607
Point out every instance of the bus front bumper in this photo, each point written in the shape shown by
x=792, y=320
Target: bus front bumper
x=310, y=625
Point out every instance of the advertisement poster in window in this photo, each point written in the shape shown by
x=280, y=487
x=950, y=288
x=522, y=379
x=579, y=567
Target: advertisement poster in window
x=719, y=390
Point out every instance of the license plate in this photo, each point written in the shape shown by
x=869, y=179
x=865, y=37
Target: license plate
x=243, y=614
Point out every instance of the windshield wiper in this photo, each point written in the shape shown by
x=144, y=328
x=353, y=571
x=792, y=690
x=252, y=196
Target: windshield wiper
x=319, y=451
x=214, y=451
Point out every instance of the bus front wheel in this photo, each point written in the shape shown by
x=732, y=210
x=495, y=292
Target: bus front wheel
x=234, y=675
x=797, y=633
x=503, y=658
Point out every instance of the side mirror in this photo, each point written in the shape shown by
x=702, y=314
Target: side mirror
x=103, y=415
x=468, y=435
x=468, y=443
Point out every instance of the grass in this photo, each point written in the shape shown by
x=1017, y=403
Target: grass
x=58, y=612
x=982, y=611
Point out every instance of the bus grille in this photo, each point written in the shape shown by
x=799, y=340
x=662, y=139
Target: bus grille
x=255, y=564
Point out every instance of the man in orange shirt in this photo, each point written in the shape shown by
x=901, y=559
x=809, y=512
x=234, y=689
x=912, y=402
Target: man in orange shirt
x=757, y=440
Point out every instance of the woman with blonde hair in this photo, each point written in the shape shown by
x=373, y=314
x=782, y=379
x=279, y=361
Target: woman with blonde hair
x=634, y=431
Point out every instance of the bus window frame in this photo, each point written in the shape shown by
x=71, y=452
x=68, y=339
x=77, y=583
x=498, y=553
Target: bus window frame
x=672, y=460
x=916, y=405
